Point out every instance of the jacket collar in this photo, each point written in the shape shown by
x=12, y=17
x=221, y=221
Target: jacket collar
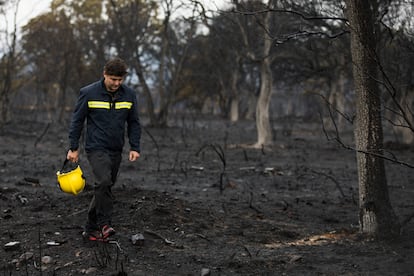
x=118, y=93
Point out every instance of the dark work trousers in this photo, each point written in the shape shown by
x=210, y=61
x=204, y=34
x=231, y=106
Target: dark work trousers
x=105, y=166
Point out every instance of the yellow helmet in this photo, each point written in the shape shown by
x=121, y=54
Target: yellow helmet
x=71, y=182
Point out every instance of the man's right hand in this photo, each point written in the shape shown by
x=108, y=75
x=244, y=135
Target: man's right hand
x=73, y=156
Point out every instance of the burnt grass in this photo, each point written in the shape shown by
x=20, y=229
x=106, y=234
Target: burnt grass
x=203, y=203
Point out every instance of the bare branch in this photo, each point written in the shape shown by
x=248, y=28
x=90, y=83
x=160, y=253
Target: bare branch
x=301, y=34
x=345, y=116
x=392, y=159
x=303, y=16
x=220, y=152
x=333, y=180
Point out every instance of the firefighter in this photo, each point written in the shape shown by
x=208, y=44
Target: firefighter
x=109, y=108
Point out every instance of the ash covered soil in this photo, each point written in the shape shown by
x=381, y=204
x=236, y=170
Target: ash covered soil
x=201, y=202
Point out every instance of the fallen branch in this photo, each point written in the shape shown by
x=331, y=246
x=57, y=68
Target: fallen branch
x=77, y=212
x=248, y=251
x=165, y=240
x=203, y=237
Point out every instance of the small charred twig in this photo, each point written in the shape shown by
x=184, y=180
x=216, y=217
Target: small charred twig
x=117, y=258
x=165, y=240
x=226, y=137
x=246, y=157
x=263, y=149
x=211, y=214
x=203, y=237
x=330, y=106
x=184, y=168
x=102, y=257
x=184, y=135
x=393, y=159
x=251, y=203
x=118, y=247
x=40, y=251
x=122, y=272
x=223, y=180
x=392, y=91
x=223, y=206
x=220, y=152
x=156, y=146
x=26, y=266
x=333, y=180
x=247, y=250
x=98, y=260
x=41, y=135
x=338, y=139
x=407, y=220
x=77, y=213
x=119, y=250
x=32, y=180
x=232, y=256
x=177, y=155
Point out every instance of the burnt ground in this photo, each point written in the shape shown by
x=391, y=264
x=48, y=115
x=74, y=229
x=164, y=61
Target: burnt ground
x=286, y=210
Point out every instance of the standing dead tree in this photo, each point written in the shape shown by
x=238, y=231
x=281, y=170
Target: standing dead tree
x=8, y=64
x=264, y=59
x=376, y=215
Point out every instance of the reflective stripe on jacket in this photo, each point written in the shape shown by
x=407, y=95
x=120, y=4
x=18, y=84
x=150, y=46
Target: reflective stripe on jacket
x=107, y=116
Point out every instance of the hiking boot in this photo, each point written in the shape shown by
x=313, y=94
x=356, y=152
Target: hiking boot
x=107, y=231
x=93, y=235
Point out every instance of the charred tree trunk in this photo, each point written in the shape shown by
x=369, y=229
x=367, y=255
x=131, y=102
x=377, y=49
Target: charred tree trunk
x=235, y=99
x=376, y=216
x=63, y=85
x=264, y=131
x=8, y=73
x=264, y=59
x=6, y=88
x=147, y=92
x=164, y=92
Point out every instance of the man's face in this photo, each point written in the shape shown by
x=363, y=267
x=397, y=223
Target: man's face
x=112, y=83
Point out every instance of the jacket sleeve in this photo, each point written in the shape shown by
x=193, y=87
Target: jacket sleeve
x=78, y=119
x=134, y=126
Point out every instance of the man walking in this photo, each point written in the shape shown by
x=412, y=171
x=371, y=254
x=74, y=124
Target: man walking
x=109, y=108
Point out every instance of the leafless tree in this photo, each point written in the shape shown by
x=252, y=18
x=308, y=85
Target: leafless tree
x=264, y=59
x=8, y=62
x=376, y=215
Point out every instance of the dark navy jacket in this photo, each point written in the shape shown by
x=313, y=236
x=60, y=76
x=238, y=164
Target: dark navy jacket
x=106, y=115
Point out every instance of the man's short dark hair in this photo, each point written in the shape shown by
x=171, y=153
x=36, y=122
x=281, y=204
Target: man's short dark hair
x=116, y=67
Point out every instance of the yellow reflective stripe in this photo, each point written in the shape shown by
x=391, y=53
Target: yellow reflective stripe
x=99, y=104
x=120, y=105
